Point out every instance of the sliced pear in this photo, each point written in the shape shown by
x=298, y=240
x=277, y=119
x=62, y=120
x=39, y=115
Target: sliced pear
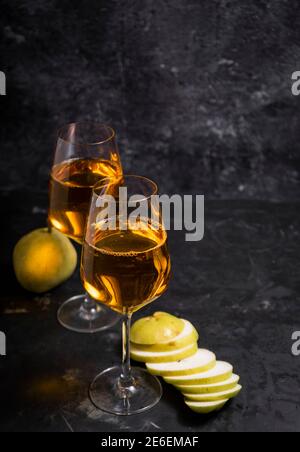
x=201, y=361
x=156, y=329
x=206, y=407
x=163, y=357
x=214, y=396
x=188, y=336
x=222, y=371
x=225, y=385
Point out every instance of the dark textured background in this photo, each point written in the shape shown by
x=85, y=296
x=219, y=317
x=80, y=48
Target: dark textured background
x=199, y=91
x=200, y=94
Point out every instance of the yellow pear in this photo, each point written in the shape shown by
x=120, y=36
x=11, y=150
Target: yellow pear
x=201, y=361
x=156, y=329
x=188, y=336
x=43, y=260
x=206, y=407
x=220, y=372
x=222, y=386
x=214, y=396
x=163, y=357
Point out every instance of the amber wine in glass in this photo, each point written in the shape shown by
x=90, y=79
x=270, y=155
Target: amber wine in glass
x=125, y=268
x=71, y=183
x=85, y=154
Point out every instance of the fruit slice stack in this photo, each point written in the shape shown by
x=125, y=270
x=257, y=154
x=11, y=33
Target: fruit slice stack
x=169, y=348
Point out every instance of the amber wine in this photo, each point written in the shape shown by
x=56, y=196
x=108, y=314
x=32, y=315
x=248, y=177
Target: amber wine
x=71, y=186
x=126, y=269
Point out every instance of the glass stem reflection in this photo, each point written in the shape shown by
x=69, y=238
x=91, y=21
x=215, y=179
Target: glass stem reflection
x=126, y=377
x=88, y=308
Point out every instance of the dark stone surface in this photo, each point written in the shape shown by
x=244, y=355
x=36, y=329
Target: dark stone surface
x=240, y=286
x=199, y=91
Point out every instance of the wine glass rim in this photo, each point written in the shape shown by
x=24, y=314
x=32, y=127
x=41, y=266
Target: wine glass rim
x=111, y=180
x=111, y=131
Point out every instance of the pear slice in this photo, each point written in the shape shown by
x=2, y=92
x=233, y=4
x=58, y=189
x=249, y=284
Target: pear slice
x=201, y=361
x=211, y=388
x=156, y=329
x=222, y=371
x=214, y=396
x=206, y=407
x=188, y=336
x=163, y=357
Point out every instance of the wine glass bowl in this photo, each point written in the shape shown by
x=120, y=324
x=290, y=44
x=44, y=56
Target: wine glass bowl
x=86, y=153
x=80, y=162
x=125, y=267
x=129, y=266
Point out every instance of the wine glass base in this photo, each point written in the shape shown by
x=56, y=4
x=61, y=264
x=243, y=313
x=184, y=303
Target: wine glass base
x=74, y=317
x=107, y=394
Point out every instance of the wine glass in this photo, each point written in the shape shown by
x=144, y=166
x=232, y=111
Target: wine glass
x=125, y=265
x=86, y=152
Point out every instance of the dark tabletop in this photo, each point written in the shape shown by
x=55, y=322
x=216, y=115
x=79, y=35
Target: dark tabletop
x=240, y=287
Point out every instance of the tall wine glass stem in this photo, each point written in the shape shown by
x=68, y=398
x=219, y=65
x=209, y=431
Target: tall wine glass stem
x=125, y=390
x=127, y=380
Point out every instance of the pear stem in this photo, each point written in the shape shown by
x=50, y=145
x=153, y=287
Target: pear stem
x=49, y=226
